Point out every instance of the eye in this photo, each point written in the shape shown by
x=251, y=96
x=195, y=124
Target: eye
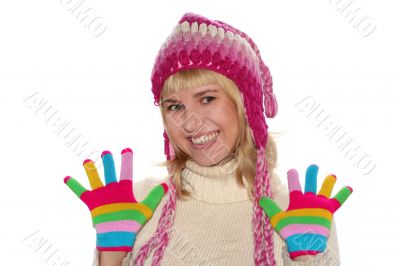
x=209, y=97
x=171, y=106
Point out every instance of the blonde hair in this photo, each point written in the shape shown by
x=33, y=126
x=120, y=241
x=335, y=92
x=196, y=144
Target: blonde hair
x=246, y=152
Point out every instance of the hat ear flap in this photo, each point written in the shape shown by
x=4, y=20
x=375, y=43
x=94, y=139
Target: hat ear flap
x=171, y=151
x=168, y=149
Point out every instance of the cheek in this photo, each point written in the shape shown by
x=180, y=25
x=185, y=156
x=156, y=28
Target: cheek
x=227, y=115
x=170, y=129
x=171, y=122
x=174, y=130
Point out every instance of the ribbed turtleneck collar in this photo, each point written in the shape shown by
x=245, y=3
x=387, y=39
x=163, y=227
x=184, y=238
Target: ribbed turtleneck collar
x=213, y=184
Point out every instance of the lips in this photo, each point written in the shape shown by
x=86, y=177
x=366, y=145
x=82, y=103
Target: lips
x=202, y=134
x=206, y=145
x=202, y=146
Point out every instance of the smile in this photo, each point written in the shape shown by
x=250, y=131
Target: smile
x=205, y=138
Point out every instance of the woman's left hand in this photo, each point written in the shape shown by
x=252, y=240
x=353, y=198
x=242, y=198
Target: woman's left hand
x=305, y=225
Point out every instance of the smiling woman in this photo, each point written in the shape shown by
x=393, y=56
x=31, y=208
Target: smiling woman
x=214, y=93
x=224, y=116
x=205, y=127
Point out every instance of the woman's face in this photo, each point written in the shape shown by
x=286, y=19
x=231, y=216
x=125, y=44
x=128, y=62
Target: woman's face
x=203, y=122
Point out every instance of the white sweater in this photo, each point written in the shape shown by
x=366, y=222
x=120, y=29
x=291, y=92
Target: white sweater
x=214, y=226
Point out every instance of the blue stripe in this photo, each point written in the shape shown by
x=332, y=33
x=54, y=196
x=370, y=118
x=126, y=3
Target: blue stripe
x=313, y=242
x=311, y=179
x=109, y=168
x=116, y=239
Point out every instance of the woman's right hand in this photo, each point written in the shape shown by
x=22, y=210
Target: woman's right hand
x=116, y=215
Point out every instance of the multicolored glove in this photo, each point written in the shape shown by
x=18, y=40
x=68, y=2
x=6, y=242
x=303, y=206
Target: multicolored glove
x=305, y=225
x=117, y=216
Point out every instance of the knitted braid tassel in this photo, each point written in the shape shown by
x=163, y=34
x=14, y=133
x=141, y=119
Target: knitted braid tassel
x=262, y=231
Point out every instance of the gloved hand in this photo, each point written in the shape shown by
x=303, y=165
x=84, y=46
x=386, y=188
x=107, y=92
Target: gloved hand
x=117, y=216
x=305, y=225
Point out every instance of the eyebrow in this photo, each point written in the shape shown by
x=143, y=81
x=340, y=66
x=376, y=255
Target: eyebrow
x=194, y=96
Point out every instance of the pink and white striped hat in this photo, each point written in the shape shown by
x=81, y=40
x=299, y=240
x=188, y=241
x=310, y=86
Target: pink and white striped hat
x=198, y=42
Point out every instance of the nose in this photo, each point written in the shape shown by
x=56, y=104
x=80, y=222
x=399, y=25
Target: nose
x=191, y=122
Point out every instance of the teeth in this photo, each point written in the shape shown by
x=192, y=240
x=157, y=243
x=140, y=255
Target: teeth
x=205, y=138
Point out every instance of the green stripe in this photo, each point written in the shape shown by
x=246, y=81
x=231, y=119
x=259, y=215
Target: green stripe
x=120, y=215
x=269, y=206
x=76, y=187
x=342, y=195
x=154, y=197
x=303, y=220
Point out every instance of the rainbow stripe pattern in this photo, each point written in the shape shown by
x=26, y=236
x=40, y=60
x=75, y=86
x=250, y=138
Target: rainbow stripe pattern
x=116, y=215
x=305, y=225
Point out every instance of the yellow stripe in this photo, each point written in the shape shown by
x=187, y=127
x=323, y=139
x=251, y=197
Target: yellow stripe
x=327, y=186
x=301, y=212
x=114, y=207
x=93, y=175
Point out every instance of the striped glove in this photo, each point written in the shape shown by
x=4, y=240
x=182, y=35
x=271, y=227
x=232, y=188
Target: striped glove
x=117, y=216
x=305, y=225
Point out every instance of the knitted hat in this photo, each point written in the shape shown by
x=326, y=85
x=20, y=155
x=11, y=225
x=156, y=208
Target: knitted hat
x=198, y=42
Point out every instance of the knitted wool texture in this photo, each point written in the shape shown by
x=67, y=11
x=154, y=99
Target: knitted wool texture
x=116, y=215
x=199, y=42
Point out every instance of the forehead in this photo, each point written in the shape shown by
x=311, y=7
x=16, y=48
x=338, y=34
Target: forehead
x=190, y=80
x=196, y=92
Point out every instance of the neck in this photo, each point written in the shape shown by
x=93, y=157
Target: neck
x=214, y=184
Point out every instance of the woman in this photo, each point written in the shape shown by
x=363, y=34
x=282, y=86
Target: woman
x=224, y=202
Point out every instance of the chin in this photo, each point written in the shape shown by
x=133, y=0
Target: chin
x=204, y=161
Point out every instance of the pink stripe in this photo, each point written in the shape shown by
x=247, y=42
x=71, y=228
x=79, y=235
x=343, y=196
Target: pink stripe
x=293, y=229
x=293, y=180
x=295, y=254
x=126, y=165
x=123, y=248
x=125, y=225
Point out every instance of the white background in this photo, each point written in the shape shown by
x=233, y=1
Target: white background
x=101, y=87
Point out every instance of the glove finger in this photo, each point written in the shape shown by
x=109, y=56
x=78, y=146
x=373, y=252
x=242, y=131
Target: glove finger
x=93, y=175
x=75, y=186
x=269, y=206
x=293, y=180
x=126, y=164
x=343, y=195
x=109, y=167
x=155, y=195
x=311, y=179
x=327, y=186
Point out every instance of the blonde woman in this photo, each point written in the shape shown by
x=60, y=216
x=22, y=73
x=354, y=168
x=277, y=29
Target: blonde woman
x=223, y=203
